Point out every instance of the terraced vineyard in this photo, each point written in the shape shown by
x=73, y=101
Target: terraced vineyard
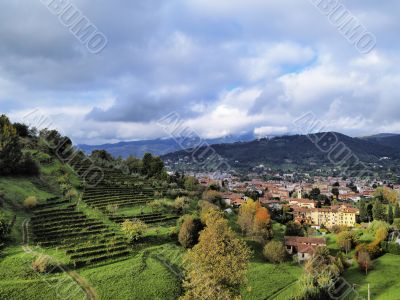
x=147, y=218
x=121, y=190
x=101, y=197
x=83, y=239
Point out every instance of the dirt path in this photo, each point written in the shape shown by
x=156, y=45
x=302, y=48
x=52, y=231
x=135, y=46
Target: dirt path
x=89, y=291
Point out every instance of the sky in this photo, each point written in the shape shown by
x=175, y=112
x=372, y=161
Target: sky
x=225, y=67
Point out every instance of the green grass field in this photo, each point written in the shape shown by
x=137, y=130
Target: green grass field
x=384, y=278
x=266, y=280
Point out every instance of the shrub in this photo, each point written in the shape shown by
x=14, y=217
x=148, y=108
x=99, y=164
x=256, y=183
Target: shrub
x=375, y=225
x=338, y=228
x=364, y=261
x=396, y=223
x=133, y=230
x=213, y=197
x=42, y=264
x=189, y=231
x=347, y=240
x=180, y=204
x=373, y=249
x=4, y=227
x=381, y=234
x=160, y=204
x=294, y=229
x=72, y=193
x=30, y=202
x=275, y=252
x=394, y=248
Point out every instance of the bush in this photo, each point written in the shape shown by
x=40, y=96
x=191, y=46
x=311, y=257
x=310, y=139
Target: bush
x=133, y=230
x=71, y=194
x=4, y=227
x=189, y=231
x=275, y=252
x=180, y=204
x=347, y=240
x=381, y=234
x=338, y=228
x=30, y=202
x=43, y=264
x=375, y=225
x=294, y=229
x=396, y=223
x=394, y=248
x=374, y=250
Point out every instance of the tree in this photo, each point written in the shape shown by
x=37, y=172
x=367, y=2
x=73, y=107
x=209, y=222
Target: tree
x=381, y=234
x=262, y=227
x=30, y=202
x=134, y=229
x=180, y=204
x=363, y=211
x=378, y=211
x=4, y=227
x=213, y=197
x=364, y=261
x=315, y=192
x=397, y=210
x=390, y=215
x=10, y=149
x=324, y=269
x=347, y=240
x=152, y=166
x=294, y=229
x=22, y=129
x=275, y=252
x=101, y=155
x=217, y=265
x=386, y=195
x=335, y=192
x=191, y=183
x=189, y=232
x=134, y=164
x=246, y=216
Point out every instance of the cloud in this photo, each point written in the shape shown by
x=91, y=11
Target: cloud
x=225, y=66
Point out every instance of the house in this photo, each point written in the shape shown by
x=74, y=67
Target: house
x=303, y=247
x=331, y=216
x=233, y=199
x=308, y=203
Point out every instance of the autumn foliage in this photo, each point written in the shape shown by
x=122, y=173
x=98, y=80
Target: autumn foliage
x=255, y=221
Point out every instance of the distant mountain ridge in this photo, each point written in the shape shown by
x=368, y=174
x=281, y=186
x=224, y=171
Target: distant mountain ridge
x=386, y=139
x=159, y=146
x=297, y=150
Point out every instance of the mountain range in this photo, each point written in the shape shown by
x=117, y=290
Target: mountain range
x=160, y=146
x=300, y=150
x=245, y=151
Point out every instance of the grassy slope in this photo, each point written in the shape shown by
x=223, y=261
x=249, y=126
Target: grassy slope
x=384, y=278
x=18, y=281
x=140, y=277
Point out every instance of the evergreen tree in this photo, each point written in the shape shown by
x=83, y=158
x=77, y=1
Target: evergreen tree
x=378, y=211
x=396, y=211
x=390, y=215
x=363, y=211
x=10, y=149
